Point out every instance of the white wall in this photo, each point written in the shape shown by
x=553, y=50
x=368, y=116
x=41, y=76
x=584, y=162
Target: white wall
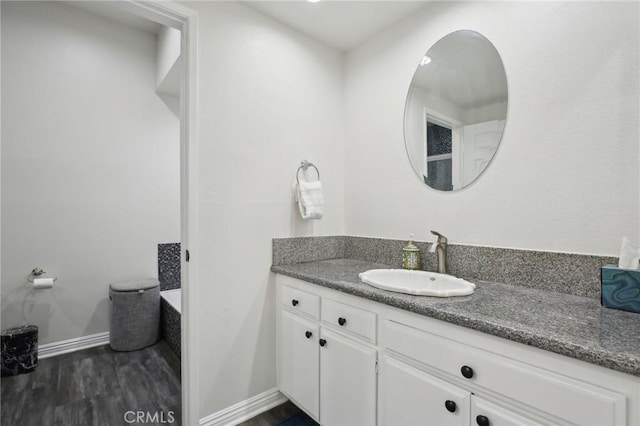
x=168, y=51
x=90, y=165
x=169, y=68
x=565, y=177
x=268, y=98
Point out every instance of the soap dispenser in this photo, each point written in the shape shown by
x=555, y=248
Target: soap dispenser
x=411, y=255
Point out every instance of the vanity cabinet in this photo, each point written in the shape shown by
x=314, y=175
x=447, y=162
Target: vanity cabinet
x=410, y=396
x=346, y=360
x=347, y=381
x=301, y=377
x=545, y=393
x=325, y=365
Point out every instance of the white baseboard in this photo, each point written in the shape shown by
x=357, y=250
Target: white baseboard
x=72, y=345
x=245, y=410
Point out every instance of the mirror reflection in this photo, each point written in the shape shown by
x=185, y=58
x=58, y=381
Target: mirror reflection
x=455, y=110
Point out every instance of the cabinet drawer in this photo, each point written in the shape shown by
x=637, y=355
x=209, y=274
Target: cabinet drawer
x=561, y=396
x=350, y=319
x=301, y=301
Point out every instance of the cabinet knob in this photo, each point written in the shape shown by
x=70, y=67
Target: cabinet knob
x=308, y=334
x=342, y=321
x=294, y=302
x=322, y=342
x=467, y=372
x=482, y=420
x=450, y=405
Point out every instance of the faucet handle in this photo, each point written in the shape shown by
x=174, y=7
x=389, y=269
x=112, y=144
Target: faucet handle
x=441, y=238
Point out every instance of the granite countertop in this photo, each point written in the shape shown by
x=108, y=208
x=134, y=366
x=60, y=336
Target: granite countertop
x=574, y=326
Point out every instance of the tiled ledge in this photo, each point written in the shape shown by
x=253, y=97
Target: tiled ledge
x=567, y=273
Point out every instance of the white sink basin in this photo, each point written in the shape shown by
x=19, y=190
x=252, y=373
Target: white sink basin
x=420, y=283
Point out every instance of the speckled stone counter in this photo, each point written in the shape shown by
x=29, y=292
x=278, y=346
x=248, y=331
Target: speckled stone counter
x=569, y=325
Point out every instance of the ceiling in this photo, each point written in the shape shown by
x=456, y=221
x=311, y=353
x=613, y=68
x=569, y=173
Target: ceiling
x=342, y=24
x=465, y=70
x=111, y=10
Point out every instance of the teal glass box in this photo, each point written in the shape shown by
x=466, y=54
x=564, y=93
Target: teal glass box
x=620, y=288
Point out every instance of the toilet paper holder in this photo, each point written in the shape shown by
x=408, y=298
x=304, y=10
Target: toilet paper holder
x=36, y=272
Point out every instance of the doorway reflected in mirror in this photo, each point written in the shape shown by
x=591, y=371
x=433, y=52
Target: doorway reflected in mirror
x=439, y=157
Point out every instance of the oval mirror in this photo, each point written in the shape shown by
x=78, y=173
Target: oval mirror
x=455, y=111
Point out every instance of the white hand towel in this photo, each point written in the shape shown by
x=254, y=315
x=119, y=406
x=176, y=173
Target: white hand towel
x=310, y=200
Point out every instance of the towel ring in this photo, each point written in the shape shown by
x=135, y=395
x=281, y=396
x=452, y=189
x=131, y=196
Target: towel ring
x=304, y=166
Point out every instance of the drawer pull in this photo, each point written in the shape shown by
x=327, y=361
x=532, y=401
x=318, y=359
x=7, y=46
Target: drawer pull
x=342, y=321
x=450, y=405
x=308, y=334
x=294, y=302
x=467, y=372
x=322, y=342
x=482, y=420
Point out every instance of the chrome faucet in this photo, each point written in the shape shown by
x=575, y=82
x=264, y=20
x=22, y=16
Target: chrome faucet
x=440, y=249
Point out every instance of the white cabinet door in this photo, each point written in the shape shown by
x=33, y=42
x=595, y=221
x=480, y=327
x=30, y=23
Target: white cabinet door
x=484, y=413
x=412, y=397
x=299, y=362
x=347, y=382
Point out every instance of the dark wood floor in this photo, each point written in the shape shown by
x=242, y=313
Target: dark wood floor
x=95, y=387
x=276, y=415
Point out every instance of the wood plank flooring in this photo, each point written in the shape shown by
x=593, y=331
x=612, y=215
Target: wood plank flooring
x=275, y=415
x=95, y=387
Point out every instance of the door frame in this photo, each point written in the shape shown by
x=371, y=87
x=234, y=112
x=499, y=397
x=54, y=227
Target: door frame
x=455, y=126
x=184, y=19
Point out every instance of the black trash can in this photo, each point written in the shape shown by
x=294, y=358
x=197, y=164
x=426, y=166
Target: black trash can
x=19, y=350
